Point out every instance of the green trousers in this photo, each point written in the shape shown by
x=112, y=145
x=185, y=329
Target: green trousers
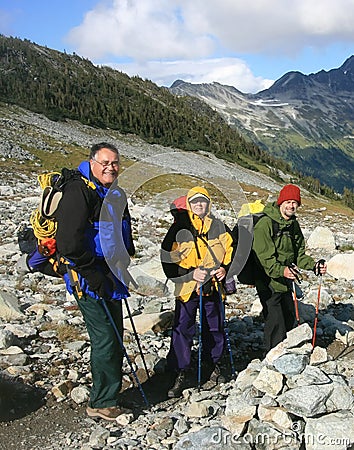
x=106, y=352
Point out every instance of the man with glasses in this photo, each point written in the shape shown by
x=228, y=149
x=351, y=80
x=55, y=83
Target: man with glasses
x=94, y=236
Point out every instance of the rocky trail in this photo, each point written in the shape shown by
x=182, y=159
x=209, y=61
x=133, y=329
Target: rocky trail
x=292, y=397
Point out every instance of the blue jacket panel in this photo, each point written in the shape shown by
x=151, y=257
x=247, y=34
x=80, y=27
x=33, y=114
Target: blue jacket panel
x=92, y=222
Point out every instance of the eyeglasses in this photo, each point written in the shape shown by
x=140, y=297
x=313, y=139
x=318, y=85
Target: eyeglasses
x=106, y=164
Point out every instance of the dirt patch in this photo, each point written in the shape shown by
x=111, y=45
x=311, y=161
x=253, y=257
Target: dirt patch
x=31, y=420
x=338, y=350
x=28, y=420
x=40, y=428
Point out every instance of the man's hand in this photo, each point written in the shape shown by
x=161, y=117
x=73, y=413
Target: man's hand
x=292, y=272
x=320, y=268
x=99, y=283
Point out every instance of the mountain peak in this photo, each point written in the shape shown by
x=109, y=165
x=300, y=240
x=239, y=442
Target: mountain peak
x=305, y=119
x=177, y=83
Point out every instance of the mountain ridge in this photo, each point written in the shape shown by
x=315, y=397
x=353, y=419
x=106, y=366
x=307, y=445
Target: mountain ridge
x=304, y=119
x=68, y=87
x=341, y=78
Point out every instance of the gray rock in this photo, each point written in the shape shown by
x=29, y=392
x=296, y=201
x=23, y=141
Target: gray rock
x=306, y=401
x=291, y=364
x=80, y=394
x=269, y=381
x=21, y=331
x=7, y=338
x=322, y=238
x=238, y=406
x=148, y=322
x=310, y=375
x=247, y=376
x=312, y=299
x=12, y=356
x=197, y=409
x=333, y=431
x=341, y=397
x=209, y=438
x=342, y=266
x=181, y=426
x=99, y=436
x=9, y=308
x=298, y=335
x=266, y=437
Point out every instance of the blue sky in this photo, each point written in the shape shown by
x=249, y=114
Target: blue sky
x=244, y=44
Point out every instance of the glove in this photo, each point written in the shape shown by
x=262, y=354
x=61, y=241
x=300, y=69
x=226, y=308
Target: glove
x=296, y=272
x=316, y=269
x=98, y=283
x=230, y=286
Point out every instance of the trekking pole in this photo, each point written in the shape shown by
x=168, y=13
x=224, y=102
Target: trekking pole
x=295, y=271
x=316, y=313
x=136, y=337
x=200, y=336
x=296, y=304
x=119, y=337
x=226, y=330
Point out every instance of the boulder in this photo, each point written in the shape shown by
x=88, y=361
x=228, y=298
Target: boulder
x=341, y=266
x=321, y=237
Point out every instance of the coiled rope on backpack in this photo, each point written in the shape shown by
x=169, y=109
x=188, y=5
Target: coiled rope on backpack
x=43, y=227
x=46, y=179
x=43, y=223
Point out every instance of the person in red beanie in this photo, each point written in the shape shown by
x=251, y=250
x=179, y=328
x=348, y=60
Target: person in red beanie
x=279, y=250
x=289, y=192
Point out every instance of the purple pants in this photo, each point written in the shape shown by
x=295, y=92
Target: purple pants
x=179, y=356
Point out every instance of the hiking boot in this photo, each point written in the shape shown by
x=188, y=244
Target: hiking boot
x=180, y=384
x=111, y=413
x=216, y=376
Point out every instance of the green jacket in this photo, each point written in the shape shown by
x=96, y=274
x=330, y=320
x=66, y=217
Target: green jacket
x=274, y=253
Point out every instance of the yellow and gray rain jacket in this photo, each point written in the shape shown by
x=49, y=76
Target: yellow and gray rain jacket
x=193, y=242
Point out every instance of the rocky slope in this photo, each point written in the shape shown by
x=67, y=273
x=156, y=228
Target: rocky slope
x=294, y=397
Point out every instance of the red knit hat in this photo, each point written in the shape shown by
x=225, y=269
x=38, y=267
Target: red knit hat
x=289, y=192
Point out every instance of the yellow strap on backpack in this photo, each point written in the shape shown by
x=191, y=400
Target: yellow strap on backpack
x=251, y=208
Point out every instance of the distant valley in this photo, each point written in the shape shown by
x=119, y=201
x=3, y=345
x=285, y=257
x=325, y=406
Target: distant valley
x=300, y=129
x=308, y=120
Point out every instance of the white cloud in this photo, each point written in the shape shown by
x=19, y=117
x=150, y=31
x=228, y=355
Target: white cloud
x=153, y=29
x=281, y=26
x=228, y=71
x=142, y=30
x=191, y=36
